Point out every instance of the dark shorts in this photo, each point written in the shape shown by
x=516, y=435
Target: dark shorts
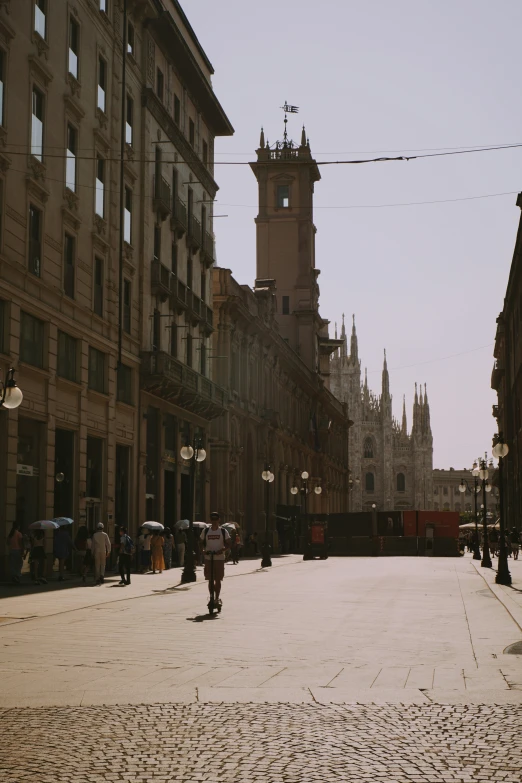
x=219, y=569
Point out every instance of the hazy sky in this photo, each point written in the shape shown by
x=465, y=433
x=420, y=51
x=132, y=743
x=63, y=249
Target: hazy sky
x=426, y=282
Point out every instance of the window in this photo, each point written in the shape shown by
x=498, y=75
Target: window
x=192, y=133
x=37, y=124
x=67, y=352
x=286, y=305
x=98, y=286
x=445, y=491
x=436, y=491
x=203, y=357
x=127, y=218
x=74, y=46
x=368, y=448
x=124, y=384
x=156, y=336
x=203, y=286
x=159, y=83
x=97, y=362
x=205, y=153
x=174, y=258
x=39, y=17
x=104, y=6
x=99, y=202
x=370, y=482
x=177, y=109
x=70, y=166
x=68, y=265
x=456, y=491
x=35, y=240
x=190, y=268
x=102, y=83
x=283, y=195
x=174, y=339
x=157, y=243
x=130, y=39
x=2, y=85
x=457, y=506
x=31, y=340
x=127, y=306
x=129, y=120
x=401, y=482
x=189, y=350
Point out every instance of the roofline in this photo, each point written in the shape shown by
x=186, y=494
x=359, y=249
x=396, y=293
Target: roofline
x=192, y=34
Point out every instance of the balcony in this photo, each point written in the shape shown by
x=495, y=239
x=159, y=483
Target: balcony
x=497, y=375
x=194, y=233
x=178, y=294
x=207, y=317
x=170, y=379
x=160, y=279
x=178, y=220
x=162, y=199
x=194, y=305
x=208, y=248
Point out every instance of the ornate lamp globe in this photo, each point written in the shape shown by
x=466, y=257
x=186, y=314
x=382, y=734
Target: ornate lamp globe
x=187, y=452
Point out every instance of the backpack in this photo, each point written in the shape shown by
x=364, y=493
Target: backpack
x=128, y=546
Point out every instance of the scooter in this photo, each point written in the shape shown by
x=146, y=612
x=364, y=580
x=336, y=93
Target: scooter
x=214, y=603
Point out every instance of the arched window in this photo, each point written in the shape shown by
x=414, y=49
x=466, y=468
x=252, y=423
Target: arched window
x=401, y=482
x=370, y=482
x=457, y=506
x=368, y=448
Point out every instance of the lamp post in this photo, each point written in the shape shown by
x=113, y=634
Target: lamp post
x=486, y=487
x=194, y=454
x=268, y=477
x=503, y=577
x=463, y=486
x=10, y=395
x=304, y=491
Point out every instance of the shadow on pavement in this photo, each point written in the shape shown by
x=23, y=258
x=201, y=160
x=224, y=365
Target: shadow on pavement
x=200, y=618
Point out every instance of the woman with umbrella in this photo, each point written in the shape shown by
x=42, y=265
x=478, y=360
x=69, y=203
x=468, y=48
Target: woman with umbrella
x=62, y=547
x=37, y=555
x=156, y=550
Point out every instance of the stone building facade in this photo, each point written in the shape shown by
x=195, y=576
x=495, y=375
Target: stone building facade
x=447, y=496
x=506, y=379
x=97, y=438
x=271, y=351
x=389, y=466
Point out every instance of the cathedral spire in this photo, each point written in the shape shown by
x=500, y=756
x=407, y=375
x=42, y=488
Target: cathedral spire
x=415, y=424
x=354, y=347
x=427, y=424
x=344, y=351
x=385, y=379
x=404, y=428
x=303, y=137
x=262, y=139
x=421, y=408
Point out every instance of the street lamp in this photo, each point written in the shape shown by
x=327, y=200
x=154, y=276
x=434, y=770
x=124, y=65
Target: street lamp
x=10, y=395
x=194, y=454
x=463, y=486
x=503, y=577
x=268, y=477
x=483, y=474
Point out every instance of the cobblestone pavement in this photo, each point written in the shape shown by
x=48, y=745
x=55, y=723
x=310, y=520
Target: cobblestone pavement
x=201, y=743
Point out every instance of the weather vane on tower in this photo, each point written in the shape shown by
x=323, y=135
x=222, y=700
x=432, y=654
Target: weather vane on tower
x=288, y=109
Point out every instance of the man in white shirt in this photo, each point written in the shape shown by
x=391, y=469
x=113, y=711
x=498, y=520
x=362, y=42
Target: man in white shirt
x=101, y=549
x=215, y=539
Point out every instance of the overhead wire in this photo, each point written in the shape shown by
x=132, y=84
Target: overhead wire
x=432, y=361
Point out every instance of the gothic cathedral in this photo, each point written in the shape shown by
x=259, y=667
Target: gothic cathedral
x=388, y=467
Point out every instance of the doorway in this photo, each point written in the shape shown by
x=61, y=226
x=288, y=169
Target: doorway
x=64, y=473
x=29, y=507
x=186, y=500
x=121, y=500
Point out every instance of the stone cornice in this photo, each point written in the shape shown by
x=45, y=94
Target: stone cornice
x=160, y=114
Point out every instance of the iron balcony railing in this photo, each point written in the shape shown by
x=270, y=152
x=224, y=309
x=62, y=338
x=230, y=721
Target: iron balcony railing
x=194, y=231
x=162, y=197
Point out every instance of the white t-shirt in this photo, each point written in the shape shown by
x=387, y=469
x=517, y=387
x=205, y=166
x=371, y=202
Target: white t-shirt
x=145, y=542
x=214, y=541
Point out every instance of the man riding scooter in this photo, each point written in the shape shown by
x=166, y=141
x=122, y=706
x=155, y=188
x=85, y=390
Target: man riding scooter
x=215, y=542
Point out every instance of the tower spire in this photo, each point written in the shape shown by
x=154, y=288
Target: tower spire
x=427, y=424
x=404, y=428
x=385, y=379
x=344, y=350
x=262, y=139
x=354, y=347
x=303, y=137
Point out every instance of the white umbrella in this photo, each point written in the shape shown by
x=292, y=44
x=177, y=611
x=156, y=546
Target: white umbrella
x=63, y=521
x=44, y=524
x=153, y=525
x=182, y=524
x=200, y=525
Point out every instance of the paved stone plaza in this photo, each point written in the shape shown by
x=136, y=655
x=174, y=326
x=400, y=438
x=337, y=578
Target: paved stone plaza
x=350, y=669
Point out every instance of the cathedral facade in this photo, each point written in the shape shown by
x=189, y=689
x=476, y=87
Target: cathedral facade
x=389, y=467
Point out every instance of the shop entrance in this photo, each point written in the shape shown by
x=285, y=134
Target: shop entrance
x=64, y=473
x=29, y=506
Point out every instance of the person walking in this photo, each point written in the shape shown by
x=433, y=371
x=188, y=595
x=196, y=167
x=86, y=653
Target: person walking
x=62, y=548
x=156, y=549
x=83, y=544
x=515, y=542
x=181, y=541
x=37, y=558
x=15, y=544
x=144, y=542
x=167, y=548
x=101, y=549
x=126, y=551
